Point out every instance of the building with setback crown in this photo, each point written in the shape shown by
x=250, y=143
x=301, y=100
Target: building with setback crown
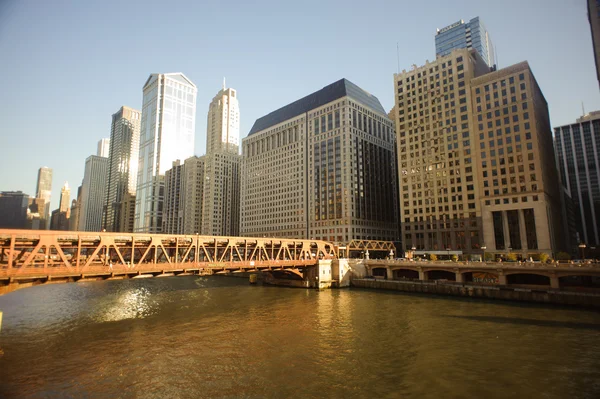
x=469, y=35
x=166, y=135
x=209, y=202
x=222, y=163
x=321, y=167
x=578, y=152
x=475, y=156
x=123, y=160
x=44, y=191
x=60, y=217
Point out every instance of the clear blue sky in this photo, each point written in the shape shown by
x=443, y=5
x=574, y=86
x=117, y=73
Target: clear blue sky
x=67, y=66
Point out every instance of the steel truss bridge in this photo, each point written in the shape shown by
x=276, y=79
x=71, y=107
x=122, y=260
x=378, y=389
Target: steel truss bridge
x=38, y=256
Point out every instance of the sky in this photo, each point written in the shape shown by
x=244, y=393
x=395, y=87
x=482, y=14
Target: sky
x=67, y=66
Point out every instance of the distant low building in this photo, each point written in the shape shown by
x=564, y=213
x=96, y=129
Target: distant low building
x=13, y=209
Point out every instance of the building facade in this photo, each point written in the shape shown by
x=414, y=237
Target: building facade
x=93, y=193
x=103, y=148
x=476, y=161
x=193, y=188
x=520, y=190
x=323, y=168
x=44, y=191
x=578, y=152
x=122, y=168
x=13, y=209
x=222, y=164
x=469, y=35
x=173, y=202
x=166, y=135
x=438, y=180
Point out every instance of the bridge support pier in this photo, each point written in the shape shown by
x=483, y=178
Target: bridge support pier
x=390, y=273
x=554, y=282
x=422, y=274
x=501, y=277
x=459, y=276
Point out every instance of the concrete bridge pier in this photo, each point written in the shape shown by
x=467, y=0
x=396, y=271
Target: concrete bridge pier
x=554, y=281
x=459, y=276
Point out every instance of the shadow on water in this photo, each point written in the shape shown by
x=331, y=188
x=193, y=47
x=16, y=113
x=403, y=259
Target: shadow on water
x=530, y=322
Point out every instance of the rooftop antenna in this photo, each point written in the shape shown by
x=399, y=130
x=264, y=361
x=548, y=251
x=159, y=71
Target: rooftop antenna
x=582, y=109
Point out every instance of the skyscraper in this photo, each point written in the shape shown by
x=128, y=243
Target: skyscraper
x=103, y=148
x=167, y=134
x=174, y=198
x=122, y=168
x=578, y=151
x=193, y=188
x=13, y=209
x=520, y=194
x=44, y=191
x=221, y=191
x=60, y=217
x=475, y=157
x=223, y=122
x=470, y=35
x=321, y=167
x=93, y=193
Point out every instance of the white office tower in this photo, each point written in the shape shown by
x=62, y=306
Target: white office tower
x=166, y=135
x=221, y=192
x=103, y=148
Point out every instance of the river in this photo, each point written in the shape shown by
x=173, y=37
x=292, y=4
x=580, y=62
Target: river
x=219, y=337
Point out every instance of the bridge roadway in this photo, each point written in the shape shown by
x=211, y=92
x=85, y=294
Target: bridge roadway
x=556, y=275
x=29, y=257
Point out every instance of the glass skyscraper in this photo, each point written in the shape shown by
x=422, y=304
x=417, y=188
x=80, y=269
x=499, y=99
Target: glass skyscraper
x=166, y=135
x=469, y=35
x=578, y=152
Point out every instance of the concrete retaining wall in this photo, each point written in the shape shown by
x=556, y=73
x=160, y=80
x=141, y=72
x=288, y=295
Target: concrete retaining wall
x=482, y=291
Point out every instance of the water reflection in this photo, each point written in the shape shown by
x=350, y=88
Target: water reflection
x=220, y=337
x=131, y=304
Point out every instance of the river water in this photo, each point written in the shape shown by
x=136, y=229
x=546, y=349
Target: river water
x=219, y=337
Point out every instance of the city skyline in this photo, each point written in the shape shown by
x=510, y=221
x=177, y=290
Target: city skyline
x=553, y=57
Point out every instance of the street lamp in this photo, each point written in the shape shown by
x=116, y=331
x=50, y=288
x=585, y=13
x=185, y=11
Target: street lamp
x=483, y=248
x=582, y=249
x=448, y=252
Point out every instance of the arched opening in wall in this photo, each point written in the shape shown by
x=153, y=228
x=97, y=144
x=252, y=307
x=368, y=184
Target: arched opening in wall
x=588, y=282
x=406, y=274
x=285, y=275
x=380, y=272
x=441, y=275
x=468, y=277
x=527, y=279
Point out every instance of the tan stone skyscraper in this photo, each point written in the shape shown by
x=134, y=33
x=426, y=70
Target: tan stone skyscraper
x=221, y=186
x=475, y=158
x=519, y=183
x=202, y=194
